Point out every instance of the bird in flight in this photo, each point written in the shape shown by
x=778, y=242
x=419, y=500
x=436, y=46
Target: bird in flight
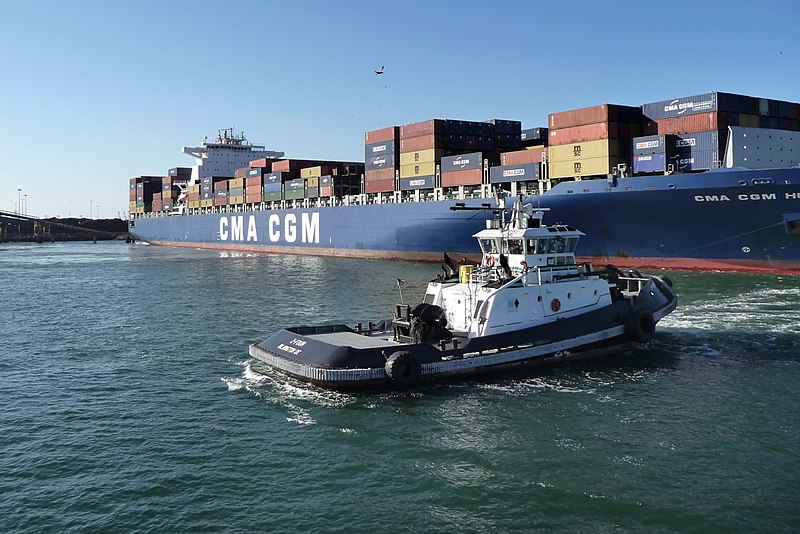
x=379, y=71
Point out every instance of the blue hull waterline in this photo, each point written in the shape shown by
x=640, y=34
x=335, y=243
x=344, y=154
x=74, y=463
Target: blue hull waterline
x=726, y=219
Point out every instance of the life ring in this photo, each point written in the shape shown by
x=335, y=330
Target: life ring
x=555, y=305
x=640, y=325
x=490, y=261
x=403, y=369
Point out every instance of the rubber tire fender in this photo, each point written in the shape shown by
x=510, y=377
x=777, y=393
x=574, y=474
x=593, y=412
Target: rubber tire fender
x=403, y=369
x=640, y=325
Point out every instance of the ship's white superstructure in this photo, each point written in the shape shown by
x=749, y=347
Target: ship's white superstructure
x=221, y=158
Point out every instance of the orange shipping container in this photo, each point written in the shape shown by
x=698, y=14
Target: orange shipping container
x=263, y=163
x=253, y=180
x=241, y=173
x=252, y=198
x=518, y=157
x=463, y=177
x=252, y=189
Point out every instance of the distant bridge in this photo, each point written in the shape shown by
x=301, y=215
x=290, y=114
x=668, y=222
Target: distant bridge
x=19, y=227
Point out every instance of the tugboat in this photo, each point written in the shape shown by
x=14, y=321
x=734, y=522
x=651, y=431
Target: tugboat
x=527, y=303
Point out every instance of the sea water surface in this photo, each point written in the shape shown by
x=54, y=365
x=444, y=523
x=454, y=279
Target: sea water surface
x=128, y=403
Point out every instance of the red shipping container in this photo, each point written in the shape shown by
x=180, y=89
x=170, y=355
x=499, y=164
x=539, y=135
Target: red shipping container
x=326, y=190
x=254, y=180
x=593, y=114
x=421, y=142
x=221, y=201
x=699, y=122
x=263, y=163
x=595, y=132
x=379, y=186
x=390, y=133
x=288, y=165
x=518, y=157
x=194, y=196
x=379, y=175
x=463, y=177
x=222, y=185
x=416, y=129
x=252, y=189
x=251, y=198
x=241, y=173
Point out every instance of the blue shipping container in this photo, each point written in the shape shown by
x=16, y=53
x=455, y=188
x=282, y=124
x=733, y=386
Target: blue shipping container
x=650, y=144
x=272, y=187
x=460, y=162
x=681, y=106
x=694, y=142
x=649, y=163
x=253, y=172
x=417, y=182
x=379, y=149
x=221, y=193
x=534, y=135
x=700, y=160
x=514, y=173
x=379, y=162
x=273, y=177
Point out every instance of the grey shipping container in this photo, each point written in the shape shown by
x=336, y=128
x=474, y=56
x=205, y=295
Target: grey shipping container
x=295, y=184
x=417, y=182
x=473, y=160
x=312, y=192
x=514, y=173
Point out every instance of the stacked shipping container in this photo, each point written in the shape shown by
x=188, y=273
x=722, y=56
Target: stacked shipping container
x=591, y=141
x=381, y=159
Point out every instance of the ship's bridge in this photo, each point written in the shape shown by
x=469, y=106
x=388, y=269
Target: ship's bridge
x=536, y=246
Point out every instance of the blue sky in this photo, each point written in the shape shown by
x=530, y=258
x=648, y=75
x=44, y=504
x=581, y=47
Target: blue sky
x=95, y=92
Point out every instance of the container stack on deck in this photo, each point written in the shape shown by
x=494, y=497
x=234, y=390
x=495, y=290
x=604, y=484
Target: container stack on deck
x=678, y=135
x=689, y=133
x=522, y=165
x=591, y=141
x=381, y=159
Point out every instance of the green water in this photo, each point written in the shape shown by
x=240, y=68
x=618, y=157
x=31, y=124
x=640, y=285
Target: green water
x=128, y=403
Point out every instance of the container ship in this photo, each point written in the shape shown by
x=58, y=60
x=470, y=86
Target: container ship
x=706, y=182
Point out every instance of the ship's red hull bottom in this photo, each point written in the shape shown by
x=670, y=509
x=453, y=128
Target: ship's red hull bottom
x=678, y=264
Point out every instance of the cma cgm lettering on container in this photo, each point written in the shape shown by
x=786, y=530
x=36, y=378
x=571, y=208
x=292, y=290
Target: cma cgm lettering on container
x=279, y=228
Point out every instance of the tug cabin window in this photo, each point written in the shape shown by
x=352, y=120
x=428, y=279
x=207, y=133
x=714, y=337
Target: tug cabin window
x=489, y=246
x=515, y=246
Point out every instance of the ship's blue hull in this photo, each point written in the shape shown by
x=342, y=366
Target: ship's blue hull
x=728, y=219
